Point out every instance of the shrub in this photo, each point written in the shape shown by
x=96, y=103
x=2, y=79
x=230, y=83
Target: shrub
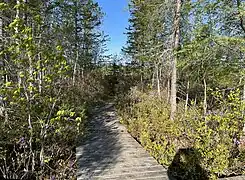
x=37, y=136
x=214, y=136
x=145, y=117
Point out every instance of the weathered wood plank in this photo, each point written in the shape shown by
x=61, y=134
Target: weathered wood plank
x=111, y=153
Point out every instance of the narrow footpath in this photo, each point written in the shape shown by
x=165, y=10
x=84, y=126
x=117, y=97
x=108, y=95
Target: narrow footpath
x=109, y=152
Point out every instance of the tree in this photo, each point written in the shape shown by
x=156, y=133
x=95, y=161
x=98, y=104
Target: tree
x=40, y=119
x=176, y=39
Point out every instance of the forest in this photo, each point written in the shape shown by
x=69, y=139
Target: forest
x=183, y=86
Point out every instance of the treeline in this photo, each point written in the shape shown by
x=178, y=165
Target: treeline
x=191, y=83
x=203, y=42
x=49, y=51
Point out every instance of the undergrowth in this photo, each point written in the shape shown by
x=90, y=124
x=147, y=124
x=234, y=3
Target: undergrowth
x=215, y=138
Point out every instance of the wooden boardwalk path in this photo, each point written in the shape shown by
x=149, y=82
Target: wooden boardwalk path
x=111, y=153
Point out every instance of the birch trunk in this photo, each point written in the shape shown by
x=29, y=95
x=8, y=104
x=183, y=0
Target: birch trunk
x=158, y=82
x=176, y=38
x=205, y=97
x=168, y=90
x=187, y=96
x=76, y=47
x=153, y=79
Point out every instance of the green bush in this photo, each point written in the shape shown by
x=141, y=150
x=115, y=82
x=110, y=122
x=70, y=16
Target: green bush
x=214, y=136
x=145, y=117
x=47, y=149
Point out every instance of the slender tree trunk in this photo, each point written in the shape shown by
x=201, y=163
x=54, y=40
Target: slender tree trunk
x=17, y=13
x=205, y=97
x=17, y=16
x=75, y=69
x=1, y=43
x=2, y=67
x=187, y=96
x=141, y=82
x=31, y=93
x=160, y=79
x=40, y=75
x=176, y=38
x=158, y=82
x=153, y=79
x=76, y=46
x=1, y=32
x=244, y=102
x=142, y=77
x=243, y=92
x=168, y=90
x=195, y=101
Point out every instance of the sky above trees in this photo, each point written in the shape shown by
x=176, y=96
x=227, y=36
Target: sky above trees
x=115, y=22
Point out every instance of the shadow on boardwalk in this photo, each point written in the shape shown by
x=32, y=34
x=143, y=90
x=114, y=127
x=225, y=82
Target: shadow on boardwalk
x=186, y=166
x=100, y=149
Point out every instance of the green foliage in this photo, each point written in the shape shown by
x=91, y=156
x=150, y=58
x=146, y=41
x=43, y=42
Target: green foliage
x=148, y=121
x=40, y=125
x=214, y=137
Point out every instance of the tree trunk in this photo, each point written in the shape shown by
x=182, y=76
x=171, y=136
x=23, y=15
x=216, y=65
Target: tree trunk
x=205, y=98
x=1, y=44
x=244, y=102
x=1, y=32
x=142, y=77
x=17, y=16
x=158, y=81
x=76, y=46
x=2, y=109
x=176, y=38
x=141, y=82
x=168, y=90
x=153, y=79
x=187, y=96
x=243, y=93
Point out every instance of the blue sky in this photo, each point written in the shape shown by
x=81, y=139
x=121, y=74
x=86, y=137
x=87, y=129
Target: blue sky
x=115, y=22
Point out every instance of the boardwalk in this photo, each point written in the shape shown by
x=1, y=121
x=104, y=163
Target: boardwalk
x=111, y=153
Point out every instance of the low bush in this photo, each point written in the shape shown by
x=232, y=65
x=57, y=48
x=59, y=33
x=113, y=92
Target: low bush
x=215, y=136
x=38, y=142
x=145, y=117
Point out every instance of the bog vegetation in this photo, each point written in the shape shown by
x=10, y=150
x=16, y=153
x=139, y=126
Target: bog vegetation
x=50, y=57
x=181, y=93
x=187, y=108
